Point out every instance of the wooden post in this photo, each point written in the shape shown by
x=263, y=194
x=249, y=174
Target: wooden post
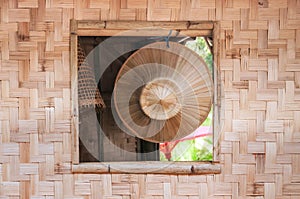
x=74, y=88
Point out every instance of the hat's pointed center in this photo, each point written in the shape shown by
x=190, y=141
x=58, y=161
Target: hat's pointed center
x=159, y=100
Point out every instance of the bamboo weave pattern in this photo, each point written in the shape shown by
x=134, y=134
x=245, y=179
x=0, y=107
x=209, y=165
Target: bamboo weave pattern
x=258, y=63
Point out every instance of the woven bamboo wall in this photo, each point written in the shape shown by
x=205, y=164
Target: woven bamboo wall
x=260, y=71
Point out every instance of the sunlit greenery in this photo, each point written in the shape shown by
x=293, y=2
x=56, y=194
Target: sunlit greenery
x=198, y=149
x=200, y=46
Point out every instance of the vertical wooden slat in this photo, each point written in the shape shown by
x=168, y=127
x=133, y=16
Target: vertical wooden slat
x=217, y=124
x=74, y=107
x=270, y=190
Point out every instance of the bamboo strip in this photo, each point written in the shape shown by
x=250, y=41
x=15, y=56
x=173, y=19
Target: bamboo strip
x=85, y=24
x=120, y=25
x=155, y=167
x=107, y=28
x=74, y=88
x=19, y=15
x=217, y=91
x=144, y=32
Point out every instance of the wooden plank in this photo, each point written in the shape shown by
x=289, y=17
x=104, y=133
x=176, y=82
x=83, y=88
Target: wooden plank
x=144, y=32
x=85, y=24
x=120, y=25
x=149, y=167
x=125, y=25
x=124, y=32
x=74, y=95
x=196, y=33
x=217, y=91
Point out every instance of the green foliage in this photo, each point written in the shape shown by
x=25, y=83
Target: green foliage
x=200, y=47
x=199, y=149
x=204, y=151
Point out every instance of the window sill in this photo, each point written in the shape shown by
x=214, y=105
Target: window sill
x=149, y=167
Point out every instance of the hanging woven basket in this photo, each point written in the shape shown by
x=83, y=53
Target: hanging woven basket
x=88, y=92
x=163, y=93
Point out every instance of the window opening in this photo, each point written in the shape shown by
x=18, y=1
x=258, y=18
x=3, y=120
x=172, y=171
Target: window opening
x=101, y=139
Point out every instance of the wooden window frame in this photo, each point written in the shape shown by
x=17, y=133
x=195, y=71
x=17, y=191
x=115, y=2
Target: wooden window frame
x=110, y=28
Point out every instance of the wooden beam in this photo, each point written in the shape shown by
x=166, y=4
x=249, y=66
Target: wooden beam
x=142, y=32
x=217, y=92
x=120, y=25
x=117, y=25
x=181, y=25
x=74, y=93
x=85, y=24
x=196, y=33
x=149, y=167
x=137, y=28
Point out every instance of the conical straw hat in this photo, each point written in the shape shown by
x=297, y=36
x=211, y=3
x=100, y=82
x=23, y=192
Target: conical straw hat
x=88, y=92
x=163, y=93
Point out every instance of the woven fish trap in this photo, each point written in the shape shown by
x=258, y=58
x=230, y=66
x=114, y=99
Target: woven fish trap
x=88, y=93
x=163, y=93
